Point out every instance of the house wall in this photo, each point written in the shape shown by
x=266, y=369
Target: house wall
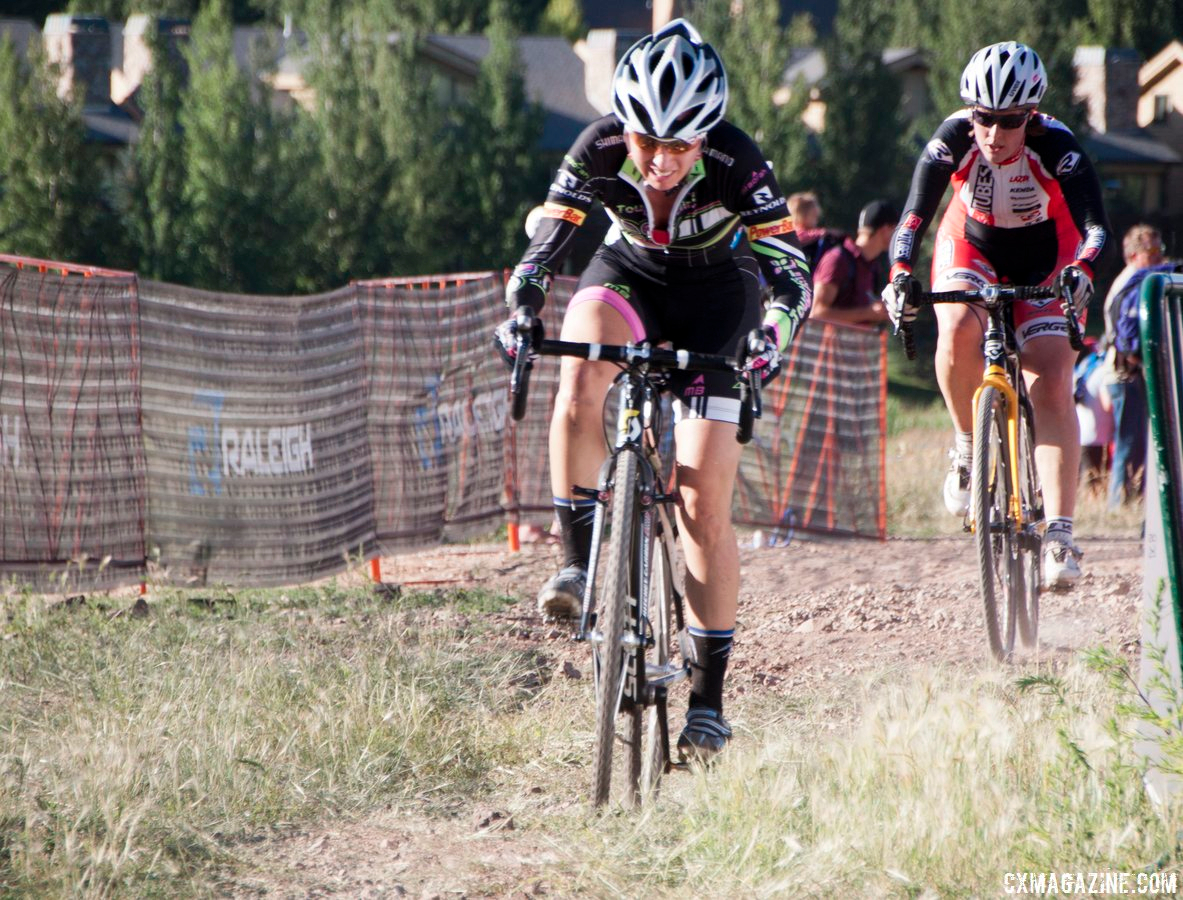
x=1168, y=129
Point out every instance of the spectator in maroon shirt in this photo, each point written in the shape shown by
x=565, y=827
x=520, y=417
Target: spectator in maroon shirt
x=845, y=287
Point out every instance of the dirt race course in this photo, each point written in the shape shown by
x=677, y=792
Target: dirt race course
x=810, y=612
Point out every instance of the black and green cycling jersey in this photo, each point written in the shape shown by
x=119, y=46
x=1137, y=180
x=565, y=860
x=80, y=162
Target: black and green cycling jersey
x=730, y=187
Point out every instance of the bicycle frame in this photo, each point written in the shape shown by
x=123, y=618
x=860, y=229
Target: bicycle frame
x=1002, y=374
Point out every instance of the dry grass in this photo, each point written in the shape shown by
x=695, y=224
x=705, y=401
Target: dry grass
x=919, y=438
x=939, y=789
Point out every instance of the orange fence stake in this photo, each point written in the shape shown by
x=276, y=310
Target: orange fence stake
x=376, y=570
x=515, y=543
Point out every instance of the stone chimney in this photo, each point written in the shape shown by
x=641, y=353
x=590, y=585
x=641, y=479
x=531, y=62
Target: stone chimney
x=137, y=53
x=1107, y=82
x=81, y=48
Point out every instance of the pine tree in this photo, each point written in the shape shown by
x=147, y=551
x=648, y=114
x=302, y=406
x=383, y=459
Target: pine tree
x=492, y=142
x=245, y=190
x=1145, y=25
x=755, y=51
x=863, y=152
x=52, y=203
x=154, y=211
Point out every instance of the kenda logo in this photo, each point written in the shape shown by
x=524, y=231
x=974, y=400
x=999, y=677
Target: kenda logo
x=275, y=450
x=10, y=441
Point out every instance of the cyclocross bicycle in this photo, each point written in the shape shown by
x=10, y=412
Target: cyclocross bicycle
x=633, y=611
x=1006, y=512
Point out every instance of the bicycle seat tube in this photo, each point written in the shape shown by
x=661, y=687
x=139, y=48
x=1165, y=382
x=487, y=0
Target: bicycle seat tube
x=998, y=375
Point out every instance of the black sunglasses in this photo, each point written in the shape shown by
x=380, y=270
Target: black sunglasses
x=1008, y=122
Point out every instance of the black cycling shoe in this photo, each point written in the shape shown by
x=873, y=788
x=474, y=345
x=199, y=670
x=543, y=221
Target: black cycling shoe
x=562, y=596
x=705, y=734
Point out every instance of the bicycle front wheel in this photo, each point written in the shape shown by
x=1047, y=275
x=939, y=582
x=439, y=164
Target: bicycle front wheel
x=664, y=622
x=616, y=654
x=999, y=561
x=1031, y=533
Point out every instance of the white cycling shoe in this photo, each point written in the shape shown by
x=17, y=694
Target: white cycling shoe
x=1061, y=566
x=956, y=490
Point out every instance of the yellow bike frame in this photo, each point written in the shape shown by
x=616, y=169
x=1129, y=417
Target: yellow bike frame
x=995, y=377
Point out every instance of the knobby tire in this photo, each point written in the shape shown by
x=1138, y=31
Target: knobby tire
x=661, y=624
x=998, y=562
x=612, y=620
x=1028, y=612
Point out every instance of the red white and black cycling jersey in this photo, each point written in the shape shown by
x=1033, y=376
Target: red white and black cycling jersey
x=1020, y=221
x=730, y=186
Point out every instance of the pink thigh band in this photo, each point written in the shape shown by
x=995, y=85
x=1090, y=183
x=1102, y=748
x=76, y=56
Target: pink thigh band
x=617, y=302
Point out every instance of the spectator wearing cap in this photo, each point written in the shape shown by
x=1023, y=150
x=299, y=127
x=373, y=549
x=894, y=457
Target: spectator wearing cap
x=1144, y=253
x=845, y=285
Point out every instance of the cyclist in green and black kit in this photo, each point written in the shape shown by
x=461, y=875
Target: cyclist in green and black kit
x=697, y=218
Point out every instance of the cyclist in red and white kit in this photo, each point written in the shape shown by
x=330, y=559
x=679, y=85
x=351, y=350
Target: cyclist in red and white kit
x=697, y=218
x=1027, y=210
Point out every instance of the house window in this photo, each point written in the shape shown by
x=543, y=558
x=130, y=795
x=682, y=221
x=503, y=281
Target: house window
x=1162, y=107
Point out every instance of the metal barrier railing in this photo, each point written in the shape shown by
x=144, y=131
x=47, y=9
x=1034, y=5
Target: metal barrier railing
x=1160, y=314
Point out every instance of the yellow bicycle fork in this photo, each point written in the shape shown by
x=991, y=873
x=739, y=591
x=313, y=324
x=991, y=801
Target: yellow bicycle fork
x=995, y=377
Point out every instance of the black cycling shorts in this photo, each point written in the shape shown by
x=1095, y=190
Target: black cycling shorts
x=704, y=309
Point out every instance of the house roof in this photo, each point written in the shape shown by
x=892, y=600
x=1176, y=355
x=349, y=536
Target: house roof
x=637, y=15
x=1159, y=66
x=809, y=63
x=553, y=76
x=1131, y=146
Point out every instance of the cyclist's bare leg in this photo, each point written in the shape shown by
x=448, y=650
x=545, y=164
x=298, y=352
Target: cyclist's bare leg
x=707, y=460
x=1047, y=369
x=576, y=430
x=958, y=360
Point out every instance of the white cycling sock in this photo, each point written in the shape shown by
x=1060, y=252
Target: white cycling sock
x=1059, y=528
x=963, y=445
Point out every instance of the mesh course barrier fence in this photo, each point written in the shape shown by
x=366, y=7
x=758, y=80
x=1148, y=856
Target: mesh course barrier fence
x=255, y=432
x=72, y=476
x=816, y=461
x=204, y=437
x=437, y=407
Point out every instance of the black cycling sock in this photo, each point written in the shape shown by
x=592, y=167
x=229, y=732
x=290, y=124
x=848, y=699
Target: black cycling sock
x=575, y=521
x=708, y=669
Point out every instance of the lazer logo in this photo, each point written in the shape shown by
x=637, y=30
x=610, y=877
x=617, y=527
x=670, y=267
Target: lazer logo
x=1015, y=179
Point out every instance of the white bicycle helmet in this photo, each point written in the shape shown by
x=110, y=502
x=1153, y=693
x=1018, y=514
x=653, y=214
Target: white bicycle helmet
x=670, y=85
x=1004, y=75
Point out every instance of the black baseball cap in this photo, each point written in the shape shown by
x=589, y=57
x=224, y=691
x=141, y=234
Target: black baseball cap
x=878, y=213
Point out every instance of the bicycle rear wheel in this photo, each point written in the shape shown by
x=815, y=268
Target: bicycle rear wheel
x=616, y=653
x=1031, y=535
x=999, y=561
